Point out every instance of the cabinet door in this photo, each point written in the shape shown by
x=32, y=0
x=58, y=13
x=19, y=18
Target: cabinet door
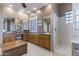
x=41, y=40
x=31, y=38
x=47, y=43
x=12, y=38
x=36, y=39
x=26, y=37
x=44, y=41
x=7, y=39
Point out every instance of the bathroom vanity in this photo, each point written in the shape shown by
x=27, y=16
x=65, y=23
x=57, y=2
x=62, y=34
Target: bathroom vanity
x=12, y=36
x=42, y=40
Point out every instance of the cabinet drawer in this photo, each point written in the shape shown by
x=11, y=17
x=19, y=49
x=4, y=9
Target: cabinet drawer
x=41, y=42
x=47, y=44
x=36, y=40
x=7, y=39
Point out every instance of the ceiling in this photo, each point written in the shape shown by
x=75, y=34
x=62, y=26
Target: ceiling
x=30, y=6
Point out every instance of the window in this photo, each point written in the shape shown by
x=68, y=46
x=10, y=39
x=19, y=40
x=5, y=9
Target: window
x=33, y=24
x=76, y=18
x=68, y=17
x=30, y=25
x=25, y=27
x=76, y=23
x=77, y=11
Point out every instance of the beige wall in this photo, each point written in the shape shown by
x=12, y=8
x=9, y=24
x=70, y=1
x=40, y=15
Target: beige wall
x=46, y=10
x=10, y=12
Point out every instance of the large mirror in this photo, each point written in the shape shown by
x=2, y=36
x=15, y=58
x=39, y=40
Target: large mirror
x=46, y=24
x=12, y=25
x=9, y=24
x=18, y=25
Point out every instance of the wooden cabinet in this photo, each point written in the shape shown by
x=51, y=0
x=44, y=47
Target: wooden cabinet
x=47, y=43
x=26, y=37
x=6, y=39
x=42, y=40
x=9, y=37
x=30, y=38
x=13, y=37
x=36, y=39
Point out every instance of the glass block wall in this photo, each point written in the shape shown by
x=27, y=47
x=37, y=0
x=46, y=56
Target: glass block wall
x=76, y=21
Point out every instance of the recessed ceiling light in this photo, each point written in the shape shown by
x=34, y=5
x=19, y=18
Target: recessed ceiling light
x=19, y=12
x=34, y=8
x=10, y=5
x=39, y=11
x=32, y=14
x=28, y=12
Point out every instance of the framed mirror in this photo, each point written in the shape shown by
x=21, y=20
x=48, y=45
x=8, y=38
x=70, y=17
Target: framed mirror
x=46, y=24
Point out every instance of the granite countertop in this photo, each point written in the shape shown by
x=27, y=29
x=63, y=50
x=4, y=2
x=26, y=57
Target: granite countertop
x=40, y=33
x=6, y=33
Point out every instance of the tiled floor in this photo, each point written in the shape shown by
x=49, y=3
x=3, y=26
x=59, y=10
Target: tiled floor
x=64, y=51
x=34, y=50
